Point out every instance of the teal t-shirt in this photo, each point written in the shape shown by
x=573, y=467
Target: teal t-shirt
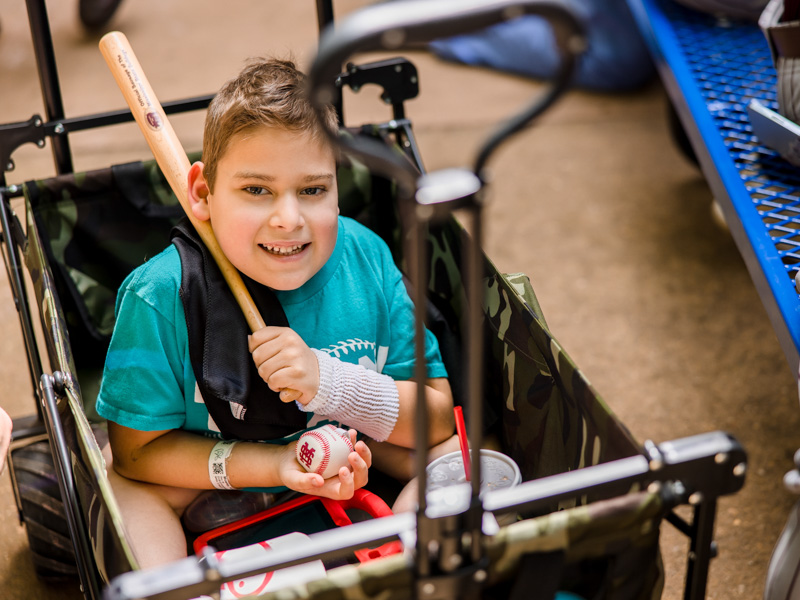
x=356, y=308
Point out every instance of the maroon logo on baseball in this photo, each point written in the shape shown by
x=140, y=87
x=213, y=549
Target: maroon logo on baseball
x=306, y=455
x=153, y=120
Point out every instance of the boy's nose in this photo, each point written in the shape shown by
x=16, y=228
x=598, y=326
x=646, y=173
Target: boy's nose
x=286, y=213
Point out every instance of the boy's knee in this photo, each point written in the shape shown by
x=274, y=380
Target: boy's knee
x=148, y=494
x=179, y=498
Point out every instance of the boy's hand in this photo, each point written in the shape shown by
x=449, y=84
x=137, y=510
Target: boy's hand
x=285, y=362
x=338, y=487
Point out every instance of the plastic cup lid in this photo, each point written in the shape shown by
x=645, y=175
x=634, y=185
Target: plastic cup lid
x=497, y=471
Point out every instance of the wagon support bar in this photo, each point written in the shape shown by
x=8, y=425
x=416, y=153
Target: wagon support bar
x=52, y=387
x=706, y=466
x=35, y=129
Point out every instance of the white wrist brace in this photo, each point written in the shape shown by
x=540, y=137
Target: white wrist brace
x=358, y=397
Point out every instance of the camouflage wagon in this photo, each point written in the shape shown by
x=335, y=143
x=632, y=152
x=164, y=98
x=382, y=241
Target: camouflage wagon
x=586, y=518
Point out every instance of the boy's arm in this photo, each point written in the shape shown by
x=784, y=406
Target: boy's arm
x=441, y=423
x=180, y=459
x=395, y=456
x=285, y=361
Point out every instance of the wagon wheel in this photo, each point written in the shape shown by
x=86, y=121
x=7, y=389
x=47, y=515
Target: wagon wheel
x=94, y=14
x=43, y=512
x=679, y=135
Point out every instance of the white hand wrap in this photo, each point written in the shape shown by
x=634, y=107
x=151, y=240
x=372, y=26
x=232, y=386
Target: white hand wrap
x=358, y=397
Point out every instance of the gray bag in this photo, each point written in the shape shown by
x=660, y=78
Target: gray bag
x=780, y=23
x=732, y=9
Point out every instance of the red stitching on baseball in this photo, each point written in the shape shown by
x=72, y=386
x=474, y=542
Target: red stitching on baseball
x=346, y=437
x=326, y=450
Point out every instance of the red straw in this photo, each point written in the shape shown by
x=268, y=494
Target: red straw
x=462, y=438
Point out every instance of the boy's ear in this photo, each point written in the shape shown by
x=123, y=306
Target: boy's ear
x=198, y=192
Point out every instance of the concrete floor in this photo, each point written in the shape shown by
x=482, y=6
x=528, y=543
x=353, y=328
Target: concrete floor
x=645, y=291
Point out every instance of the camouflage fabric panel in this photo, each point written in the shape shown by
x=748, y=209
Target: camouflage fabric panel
x=553, y=420
x=445, y=281
x=550, y=418
x=58, y=351
x=355, y=188
x=617, y=540
x=95, y=501
x=610, y=546
x=370, y=199
x=96, y=227
x=389, y=578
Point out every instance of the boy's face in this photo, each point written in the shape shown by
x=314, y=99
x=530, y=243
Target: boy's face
x=275, y=206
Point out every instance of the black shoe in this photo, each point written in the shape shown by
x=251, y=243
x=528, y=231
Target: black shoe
x=96, y=13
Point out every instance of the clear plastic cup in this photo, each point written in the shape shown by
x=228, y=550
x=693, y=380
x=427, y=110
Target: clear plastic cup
x=498, y=471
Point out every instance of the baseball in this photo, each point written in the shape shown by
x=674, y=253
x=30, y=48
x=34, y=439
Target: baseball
x=324, y=450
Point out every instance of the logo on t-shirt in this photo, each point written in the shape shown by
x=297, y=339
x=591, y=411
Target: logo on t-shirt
x=367, y=354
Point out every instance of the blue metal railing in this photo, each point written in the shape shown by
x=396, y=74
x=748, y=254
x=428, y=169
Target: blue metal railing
x=712, y=68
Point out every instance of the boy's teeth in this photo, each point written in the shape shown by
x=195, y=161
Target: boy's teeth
x=283, y=250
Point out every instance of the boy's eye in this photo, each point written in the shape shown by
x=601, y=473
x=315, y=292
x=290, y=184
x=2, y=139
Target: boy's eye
x=255, y=190
x=313, y=191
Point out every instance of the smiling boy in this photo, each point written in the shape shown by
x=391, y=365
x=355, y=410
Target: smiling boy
x=190, y=397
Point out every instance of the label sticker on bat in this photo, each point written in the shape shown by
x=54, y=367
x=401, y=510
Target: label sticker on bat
x=153, y=120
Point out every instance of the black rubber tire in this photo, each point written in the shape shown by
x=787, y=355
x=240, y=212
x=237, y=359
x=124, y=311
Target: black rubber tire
x=95, y=14
x=43, y=513
x=679, y=135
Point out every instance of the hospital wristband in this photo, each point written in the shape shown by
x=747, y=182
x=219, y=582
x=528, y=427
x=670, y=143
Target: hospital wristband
x=217, y=464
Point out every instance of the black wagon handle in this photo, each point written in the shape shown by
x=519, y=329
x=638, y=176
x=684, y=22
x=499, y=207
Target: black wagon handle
x=396, y=25
x=422, y=198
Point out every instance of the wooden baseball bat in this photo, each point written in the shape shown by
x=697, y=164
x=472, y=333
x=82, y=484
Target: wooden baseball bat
x=174, y=163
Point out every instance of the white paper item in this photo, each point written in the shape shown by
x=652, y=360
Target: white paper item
x=269, y=582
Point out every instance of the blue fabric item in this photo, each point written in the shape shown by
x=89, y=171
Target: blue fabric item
x=616, y=58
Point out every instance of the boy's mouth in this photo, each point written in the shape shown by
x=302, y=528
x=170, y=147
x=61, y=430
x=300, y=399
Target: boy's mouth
x=284, y=250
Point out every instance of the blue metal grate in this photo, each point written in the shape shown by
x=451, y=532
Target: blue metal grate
x=731, y=65
x=714, y=67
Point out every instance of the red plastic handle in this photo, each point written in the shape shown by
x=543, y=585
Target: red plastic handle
x=362, y=500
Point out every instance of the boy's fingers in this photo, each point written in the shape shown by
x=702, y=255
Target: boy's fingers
x=280, y=380
x=301, y=482
x=289, y=395
x=364, y=452
x=360, y=466
x=277, y=383
x=357, y=461
x=274, y=374
x=339, y=487
x=264, y=334
x=346, y=483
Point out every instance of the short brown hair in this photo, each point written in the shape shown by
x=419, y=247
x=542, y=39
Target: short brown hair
x=267, y=92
